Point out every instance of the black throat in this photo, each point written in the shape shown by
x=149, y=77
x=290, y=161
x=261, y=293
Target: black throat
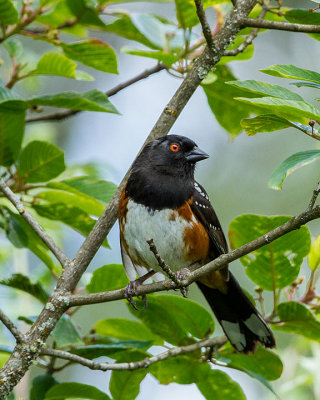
x=160, y=188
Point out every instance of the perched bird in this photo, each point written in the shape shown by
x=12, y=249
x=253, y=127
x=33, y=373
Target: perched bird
x=163, y=201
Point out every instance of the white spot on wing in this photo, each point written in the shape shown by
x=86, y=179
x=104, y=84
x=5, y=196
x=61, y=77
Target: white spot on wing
x=236, y=337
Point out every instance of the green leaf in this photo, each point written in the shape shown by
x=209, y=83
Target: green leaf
x=304, y=17
x=220, y=96
x=175, y=318
x=14, y=47
x=99, y=189
x=94, y=100
x=108, y=277
x=40, y=161
x=126, y=329
x=271, y=123
x=289, y=71
x=11, y=135
x=58, y=64
x=262, y=88
x=40, y=385
x=76, y=218
x=86, y=203
x=22, y=282
x=263, y=364
x=73, y=390
x=166, y=58
x=4, y=357
x=306, y=84
x=11, y=100
x=108, y=350
x=94, y=53
x=277, y=264
x=297, y=318
x=314, y=255
x=14, y=231
x=125, y=385
x=182, y=369
x=65, y=333
x=124, y=27
x=151, y=28
x=300, y=111
x=8, y=13
x=86, y=12
x=290, y=165
x=217, y=385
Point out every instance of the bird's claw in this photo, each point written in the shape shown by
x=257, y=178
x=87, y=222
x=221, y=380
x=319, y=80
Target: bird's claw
x=130, y=291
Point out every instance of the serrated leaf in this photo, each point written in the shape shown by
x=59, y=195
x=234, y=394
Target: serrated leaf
x=58, y=64
x=271, y=123
x=220, y=96
x=289, y=71
x=263, y=88
x=175, y=318
x=98, y=189
x=71, y=390
x=22, y=282
x=291, y=164
x=76, y=218
x=126, y=329
x=314, y=255
x=40, y=385
x=40, y=161
x=65, y=333
x=300, y=111
x=8, y=13
x=108, y=277
x=166, y=58
x=277, y=264
x=11, y=134
x=108, y=350
x=94, y=100
x=297, y=318
x=94, y=53
x=218, y=385
x=263, y=364
x=124, y=27
x=125, y=385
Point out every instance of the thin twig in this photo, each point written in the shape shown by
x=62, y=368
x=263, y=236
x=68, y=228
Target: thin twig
x=61, y=257
x=176, y=351
x=282, y=26
x=314, y=197
x=65, y=114
x=218, y=263
x=166, y=269
x=205, y=26
x=20, y=338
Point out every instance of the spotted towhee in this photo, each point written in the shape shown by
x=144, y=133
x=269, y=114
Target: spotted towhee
x=162, y=201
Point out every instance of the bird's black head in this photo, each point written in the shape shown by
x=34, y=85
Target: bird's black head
x=173, y=155
x=162, y=175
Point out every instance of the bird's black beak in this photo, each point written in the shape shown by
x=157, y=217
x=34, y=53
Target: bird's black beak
x=196, y=155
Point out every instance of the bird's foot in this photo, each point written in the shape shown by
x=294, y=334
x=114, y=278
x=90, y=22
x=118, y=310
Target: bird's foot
x=130, y=291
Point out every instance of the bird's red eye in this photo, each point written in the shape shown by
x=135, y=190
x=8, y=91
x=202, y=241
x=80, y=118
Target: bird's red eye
x=174, y=147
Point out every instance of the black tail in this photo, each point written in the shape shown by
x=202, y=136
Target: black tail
x=241, y=322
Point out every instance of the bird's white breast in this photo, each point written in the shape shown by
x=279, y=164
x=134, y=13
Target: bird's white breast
x=165, y=227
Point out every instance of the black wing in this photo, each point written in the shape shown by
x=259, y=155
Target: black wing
x=203, y=209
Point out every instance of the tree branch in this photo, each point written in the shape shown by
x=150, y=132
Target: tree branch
x=61, y=257
x=12, y=328
x=218, y=263
x=204, y=23
x=65, y=114
x=146, y=362
x=22, y=357
x=282, y=26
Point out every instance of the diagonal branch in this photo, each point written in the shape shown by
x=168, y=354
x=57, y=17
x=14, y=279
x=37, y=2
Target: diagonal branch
x=176, y=351
x=218, y=263
x=65, y=114
x=20, y=338
x=282, y=26
x=13, y=198
x=205, y=25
